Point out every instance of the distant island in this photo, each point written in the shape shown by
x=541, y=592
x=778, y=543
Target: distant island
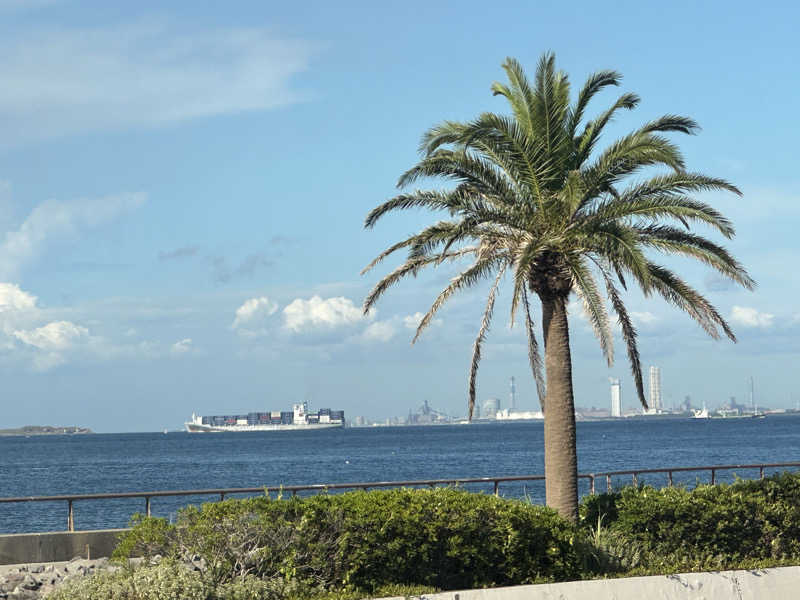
x=44, y=430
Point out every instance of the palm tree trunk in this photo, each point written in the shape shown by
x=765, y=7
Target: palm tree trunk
x=560, y=454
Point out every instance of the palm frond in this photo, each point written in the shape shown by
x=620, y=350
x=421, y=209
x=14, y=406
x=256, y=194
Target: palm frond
x=534, y=356
x=596, y=82
x=476, y=348
x=675, y=241
x=585, y=286
x=475, y=273
x=628, y=335
x=673, y=289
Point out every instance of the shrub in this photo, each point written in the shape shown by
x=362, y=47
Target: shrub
x=149, y=536
x=708, y=527
x=444, y=538
x=165, y=581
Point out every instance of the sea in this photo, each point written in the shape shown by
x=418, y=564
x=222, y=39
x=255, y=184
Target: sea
x=139, y=462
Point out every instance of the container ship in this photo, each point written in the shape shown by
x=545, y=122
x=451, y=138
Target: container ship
x=297, y=419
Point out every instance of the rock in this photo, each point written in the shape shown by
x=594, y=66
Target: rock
x=10, y=582
x=30, y=583
x=23, y=594
x=37, y=569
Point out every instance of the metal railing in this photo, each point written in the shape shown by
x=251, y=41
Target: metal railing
x=319, y=487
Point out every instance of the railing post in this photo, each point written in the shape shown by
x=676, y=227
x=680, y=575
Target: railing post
x=70, y=517
x=608, y=483
x=147, y=505
x=635, y=480
x=591, y=484
x=761, y=472
x=221, y=496
x=713, y=476
x=669, y=478
x=496, y=487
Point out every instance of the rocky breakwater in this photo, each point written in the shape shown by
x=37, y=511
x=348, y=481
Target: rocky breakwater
x=31, y=582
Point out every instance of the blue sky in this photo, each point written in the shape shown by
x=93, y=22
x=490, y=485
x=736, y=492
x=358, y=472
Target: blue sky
x=183, y=187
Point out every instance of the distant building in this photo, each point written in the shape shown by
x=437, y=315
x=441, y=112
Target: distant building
x=655, y=389
x=491, y=407
x=616, y=398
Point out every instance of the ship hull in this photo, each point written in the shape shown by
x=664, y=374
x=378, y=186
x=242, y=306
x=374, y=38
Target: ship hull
x=198, y=428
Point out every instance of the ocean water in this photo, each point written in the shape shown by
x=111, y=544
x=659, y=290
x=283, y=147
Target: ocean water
x=51, y=465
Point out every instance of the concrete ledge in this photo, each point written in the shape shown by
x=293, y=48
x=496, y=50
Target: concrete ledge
x=18, y=548
x=781, y=583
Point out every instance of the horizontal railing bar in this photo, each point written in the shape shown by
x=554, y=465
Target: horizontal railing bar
x=705, y=468
x=375, y=484
x=277, y=488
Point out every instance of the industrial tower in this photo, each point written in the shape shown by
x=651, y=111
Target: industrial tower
x=512, y=404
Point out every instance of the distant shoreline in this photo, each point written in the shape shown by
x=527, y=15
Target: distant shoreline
x=44, y=430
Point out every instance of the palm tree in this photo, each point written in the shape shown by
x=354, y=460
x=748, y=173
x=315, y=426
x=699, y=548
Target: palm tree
x=536, y=201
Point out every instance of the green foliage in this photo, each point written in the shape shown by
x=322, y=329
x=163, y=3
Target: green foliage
x=411, y=542
x=710, y=527
x=148, y=536
x=165, y=581
x=443, y=538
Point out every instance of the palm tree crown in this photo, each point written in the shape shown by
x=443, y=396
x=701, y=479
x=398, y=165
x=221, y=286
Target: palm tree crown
x=534, y=198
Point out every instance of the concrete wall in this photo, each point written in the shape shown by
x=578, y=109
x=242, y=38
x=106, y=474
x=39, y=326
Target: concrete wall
x=58, y=546
x=781, y=583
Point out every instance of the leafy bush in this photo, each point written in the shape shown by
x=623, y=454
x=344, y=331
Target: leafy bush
x=444, y=538
x=709, y=527
x=149, y=536
x=165, y=581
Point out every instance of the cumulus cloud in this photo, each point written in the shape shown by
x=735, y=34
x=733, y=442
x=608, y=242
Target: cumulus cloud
x=413, y=321
x=182, y=347
x=54, y=220
x=12, y=298
x=64, y=80
x=43, y=338
x=315, y=313
x=751, y=317
x=55, y=336
x=254, y=311
x=379, y=331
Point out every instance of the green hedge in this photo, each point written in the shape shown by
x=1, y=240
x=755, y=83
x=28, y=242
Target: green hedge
x=721, y=525
x=444, y=538
x=402, y=542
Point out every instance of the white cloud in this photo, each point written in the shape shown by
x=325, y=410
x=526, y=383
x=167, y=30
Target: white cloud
x=413, y=321
x=643, y=318
x=55, y=336
x=46, y=338
x=60, y=81
x=254, y=310
x=307, y=315
x=12, y=298
x=751, y=317
x=379, y=331
x=53, y=220
x=182, y=347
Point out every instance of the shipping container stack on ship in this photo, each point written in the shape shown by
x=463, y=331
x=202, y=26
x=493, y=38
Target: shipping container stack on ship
x=298, y=418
